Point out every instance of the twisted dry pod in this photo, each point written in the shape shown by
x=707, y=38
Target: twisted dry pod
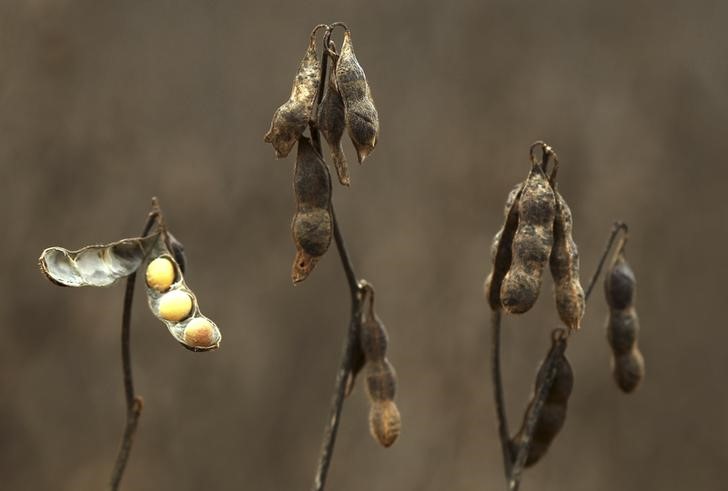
x=331, y=122
x=500, y=249
x=172, y=302
x=628, y=365
x=532, y=243
x=384, y=417
x=361, y=116
x=312, y=224
x=553, y=411
x=290, y=120
x=564, y=263
x=96, y=265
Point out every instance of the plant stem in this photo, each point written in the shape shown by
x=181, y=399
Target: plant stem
x=133, y=402
x=514, y=464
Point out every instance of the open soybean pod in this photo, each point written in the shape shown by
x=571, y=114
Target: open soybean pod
x=96, y=265
x=312, y=226
x=362, y=119
x=564, y=263
x=172, y=302
x=332, y=122
x=628, y=365
x=532, y=243
x=553, y=411
x=291, y=119
x=500, y=249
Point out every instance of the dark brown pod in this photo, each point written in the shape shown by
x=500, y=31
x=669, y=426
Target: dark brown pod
x=291, y=119
x=312, y=226
x=332, y=122
x=501, y=249
x=373, y=335
x=532, y=244
x=628, y=370
x=381, y=380
x=623, y=327
x=362, y=119
x=564, y=263
x=620, y=284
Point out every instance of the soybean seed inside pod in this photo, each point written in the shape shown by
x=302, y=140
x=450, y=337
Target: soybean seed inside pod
x=160, y=274
x=199, y=333
x=532, y=243
x=564, y=262
x=175, y=306
x=500, y=249
x=331, y=122
x=312, y=226
x=362, y=119
x=290, y=120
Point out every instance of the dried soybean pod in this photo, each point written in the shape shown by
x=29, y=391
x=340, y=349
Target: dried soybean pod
x=385, y=422
x=627, y=363
x=564, y=263
x=312, y=225
x=553, y=411
x=291, y=119
x=532, y=243
x=362, y=119
x=331, y=122
x=500, y=249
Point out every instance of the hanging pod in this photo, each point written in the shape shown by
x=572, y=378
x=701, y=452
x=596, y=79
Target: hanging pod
x=172, y=302
x=96, y=265
x=312, y=226
x=291, y=119
x=362, y=120
x=332, y=122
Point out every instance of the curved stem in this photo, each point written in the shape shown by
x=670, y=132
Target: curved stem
x=133, y=402
x=616, y=228
x=500, y=406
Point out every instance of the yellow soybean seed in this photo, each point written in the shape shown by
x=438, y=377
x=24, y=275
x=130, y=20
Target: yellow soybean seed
x=175, y=306
x=199, y=333
x=160, y=274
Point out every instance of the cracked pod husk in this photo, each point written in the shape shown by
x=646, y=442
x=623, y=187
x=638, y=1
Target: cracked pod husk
x=312, y=225
x=291, y=119
x=553, y=411
x=332, y=123
x=564, y=264
x=532, y=244
x=172, y=302
x=96, y=265
x=500, y=249
x=362, y=119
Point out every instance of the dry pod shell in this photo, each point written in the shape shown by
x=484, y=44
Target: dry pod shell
x=553, y=411
x=312, y=226
x=564, y=263
x=291, y=119
x=385, y=422
x=362, y=119
x=175, y=304
x=332, y=123
x=628, y=366
x=532, y=244
x=96, y=265
x=500, y=249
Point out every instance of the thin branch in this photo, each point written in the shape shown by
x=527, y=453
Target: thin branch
x=500, y=406
x=616, y=228
x=133, y=402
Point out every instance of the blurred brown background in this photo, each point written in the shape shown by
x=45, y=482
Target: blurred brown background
x=105, y=104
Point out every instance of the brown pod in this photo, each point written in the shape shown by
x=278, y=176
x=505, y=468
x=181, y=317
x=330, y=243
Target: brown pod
x=564, y=263
x=553, y=411
x=312, y=225
x=628, y=365
x=373, y=335
x=362, y=119
x=532, y=244
x=290, y=119
x=385, y=422
x=332, y=122
x=381, y=380
x=500, y=249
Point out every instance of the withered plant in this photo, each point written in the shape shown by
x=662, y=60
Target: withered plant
x=331, y=95
x=168, y=296
x=536, y=234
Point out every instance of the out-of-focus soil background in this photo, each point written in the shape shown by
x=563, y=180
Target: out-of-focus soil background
x=106, y=104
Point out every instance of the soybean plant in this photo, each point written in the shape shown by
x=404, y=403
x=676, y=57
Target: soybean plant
x=537, y=231
x=331, y=96
x=168, y=296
